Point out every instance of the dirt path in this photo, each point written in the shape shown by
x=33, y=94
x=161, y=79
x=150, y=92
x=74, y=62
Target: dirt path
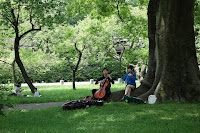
x=32, y=106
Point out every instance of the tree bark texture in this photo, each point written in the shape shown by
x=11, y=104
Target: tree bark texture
x=177, y=68
x=173, y=71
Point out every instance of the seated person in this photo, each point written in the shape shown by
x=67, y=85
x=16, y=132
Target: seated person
x=100, y=80
x=130, y=77
x=18, y=88
x=36, y=94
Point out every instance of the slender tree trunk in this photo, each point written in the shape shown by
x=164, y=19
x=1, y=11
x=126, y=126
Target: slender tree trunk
x=13, y=70
x=73, y=79
x=15, y=25
x=77, y=64
x=21, y=66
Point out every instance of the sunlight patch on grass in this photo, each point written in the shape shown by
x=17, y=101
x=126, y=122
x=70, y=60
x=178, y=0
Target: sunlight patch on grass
x=79, y=114
x=99, y=125
x=192, y=114
x=166, y=118
x=110, y=118
x=58, y=115
x=152, y=112
x=24, y=111
x=141, y=113
x=81, y=128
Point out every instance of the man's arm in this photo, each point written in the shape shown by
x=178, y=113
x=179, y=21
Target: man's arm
x=99, y=79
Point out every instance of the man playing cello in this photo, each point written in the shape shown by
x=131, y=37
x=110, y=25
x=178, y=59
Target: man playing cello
x=105, y=83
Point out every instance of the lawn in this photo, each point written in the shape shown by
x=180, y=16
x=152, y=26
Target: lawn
x=59, y=93
x=113, y=117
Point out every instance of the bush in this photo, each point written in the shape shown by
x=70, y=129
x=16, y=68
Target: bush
x=62, y=71
x=3, y=96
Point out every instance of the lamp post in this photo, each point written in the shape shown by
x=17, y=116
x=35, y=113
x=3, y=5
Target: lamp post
x=119, y=49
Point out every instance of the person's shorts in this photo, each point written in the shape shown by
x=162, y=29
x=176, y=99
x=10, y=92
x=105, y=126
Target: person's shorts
x=132, y=86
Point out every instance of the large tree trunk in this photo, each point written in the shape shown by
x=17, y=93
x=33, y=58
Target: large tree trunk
x=21, y=66
x=177, y=74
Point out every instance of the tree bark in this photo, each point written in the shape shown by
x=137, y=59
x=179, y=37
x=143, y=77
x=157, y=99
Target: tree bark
x=15, y=24
x=13, y=70
x=21, y=66
x=173, y=72
x=73, y=79
x=178, y=75
x=77, y=64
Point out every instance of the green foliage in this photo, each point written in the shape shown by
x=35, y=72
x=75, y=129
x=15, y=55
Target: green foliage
x=197, y=13
x=41, y=12
x=104, y=7
x=42, y=68
x=77, y=10
x=48, y=61
x=4, y=89
x=143, y=2
x=5, y=73
x=93, y=70
x=197, y=28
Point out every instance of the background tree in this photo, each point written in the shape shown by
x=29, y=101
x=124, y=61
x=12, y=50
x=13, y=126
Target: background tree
x=16, y=13
x=104, y=45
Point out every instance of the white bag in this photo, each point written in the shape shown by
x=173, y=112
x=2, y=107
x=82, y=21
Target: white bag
x=152, y=99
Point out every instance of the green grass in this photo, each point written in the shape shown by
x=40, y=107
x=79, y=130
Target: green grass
x=113, y=117
x=58, y=93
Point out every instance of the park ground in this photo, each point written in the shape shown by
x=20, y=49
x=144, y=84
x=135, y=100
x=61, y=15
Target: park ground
x=112, y=117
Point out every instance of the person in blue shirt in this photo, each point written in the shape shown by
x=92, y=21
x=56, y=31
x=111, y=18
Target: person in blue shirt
x=130, y=77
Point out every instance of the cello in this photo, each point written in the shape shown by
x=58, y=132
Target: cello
x=101, y=92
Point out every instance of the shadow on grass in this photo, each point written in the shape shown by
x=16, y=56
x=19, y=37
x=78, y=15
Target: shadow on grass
x=112, y=117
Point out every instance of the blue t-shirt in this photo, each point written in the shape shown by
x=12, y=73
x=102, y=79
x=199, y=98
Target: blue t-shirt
x=130, y=80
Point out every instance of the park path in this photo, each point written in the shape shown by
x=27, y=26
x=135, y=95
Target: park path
x=31, y=106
